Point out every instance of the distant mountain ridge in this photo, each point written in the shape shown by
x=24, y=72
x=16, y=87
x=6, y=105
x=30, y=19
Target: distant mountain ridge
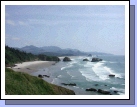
x=51, y=48
x=57, y=51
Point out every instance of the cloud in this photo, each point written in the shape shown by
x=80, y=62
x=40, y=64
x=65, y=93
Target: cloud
x=10, y=37
x=15, y=38
x=22, y=23
x=10, y=22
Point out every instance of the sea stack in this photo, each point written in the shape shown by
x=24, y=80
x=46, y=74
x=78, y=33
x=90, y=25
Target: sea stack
x=89, y=55
x=91, y=89
x=70, y=84
x=103, y=92
x=66, y=59
x=85, y=60
x=40, y=76
x=96, y=59
x=111, y=75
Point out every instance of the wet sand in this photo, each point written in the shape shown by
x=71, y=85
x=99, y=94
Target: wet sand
x=32, y=66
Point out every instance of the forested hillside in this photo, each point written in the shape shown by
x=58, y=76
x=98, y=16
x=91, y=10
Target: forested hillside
x=13, y=56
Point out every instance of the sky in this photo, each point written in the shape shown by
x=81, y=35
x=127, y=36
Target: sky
x=97, y=28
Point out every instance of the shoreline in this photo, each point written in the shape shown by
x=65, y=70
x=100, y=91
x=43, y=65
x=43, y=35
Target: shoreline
x=56, y=74
x=32, y=66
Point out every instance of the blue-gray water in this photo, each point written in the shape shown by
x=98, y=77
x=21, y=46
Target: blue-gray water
x=86, y=74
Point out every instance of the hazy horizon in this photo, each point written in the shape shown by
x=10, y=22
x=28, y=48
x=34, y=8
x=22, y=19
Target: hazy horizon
x=98, y=28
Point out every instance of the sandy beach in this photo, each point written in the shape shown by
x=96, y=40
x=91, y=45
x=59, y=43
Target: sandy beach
x=32, y=66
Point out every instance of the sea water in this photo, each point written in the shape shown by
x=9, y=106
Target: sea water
x=86, y=74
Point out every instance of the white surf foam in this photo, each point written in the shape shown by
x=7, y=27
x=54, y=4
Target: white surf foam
x=63, y=68
x=70, y=74
x=88, y=64
x=112, y=62
x=120, y=90
x=100, y=71
x=73, y=62
x=108, y=69
x=59, y=76
x=76, y=86
x=80, y=57
x=89, y=75
x=103, y=61
x=112, y=72
x=66, y=67
x=55, y=81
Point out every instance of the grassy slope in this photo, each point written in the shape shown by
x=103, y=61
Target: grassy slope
x=18, y=83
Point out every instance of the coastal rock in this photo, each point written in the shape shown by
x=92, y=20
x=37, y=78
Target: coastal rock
x=115, y=91
x=96, y=84
x=85, y=60
x=96, y=59
x=111, y=75
x=46, y=76
x=13, y=65
x=28, y=68
x=70, y=84
x=66, y=59
x=40, y=76
x=103, y=92
x=91, y=89
x=89, y=55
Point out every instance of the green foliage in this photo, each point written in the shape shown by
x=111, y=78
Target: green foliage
x=18, y=83
x=42, y=57
x=48, y=58
x=13, y=56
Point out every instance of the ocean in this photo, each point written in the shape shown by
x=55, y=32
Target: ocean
x=87, y=74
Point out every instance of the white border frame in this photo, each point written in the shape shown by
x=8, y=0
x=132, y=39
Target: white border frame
x=126, y=3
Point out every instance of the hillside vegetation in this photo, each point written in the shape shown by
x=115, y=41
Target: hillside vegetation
x=18, y=83
x=13, y=56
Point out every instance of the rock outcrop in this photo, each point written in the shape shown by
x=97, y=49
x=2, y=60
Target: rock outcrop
x=89, y=55
x=85, y=59
x=115, y=91
x=66, y=59
x=91, y=89
x=40, y=76
x=96, y=59
x=96, y=84
x=111, y=75
x=103, y=92
x=46, y=76
x=70, y=84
